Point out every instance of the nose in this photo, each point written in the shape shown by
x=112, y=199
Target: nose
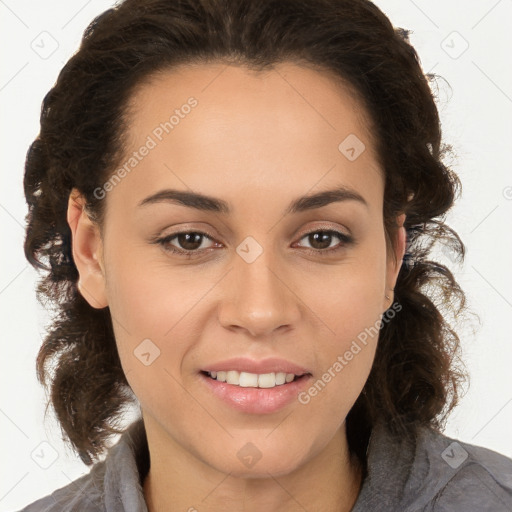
x=257, y=297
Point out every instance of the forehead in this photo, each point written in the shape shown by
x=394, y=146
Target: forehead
x=290, y=127
x=287, y=95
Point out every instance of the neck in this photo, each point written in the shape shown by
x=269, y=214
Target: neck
x=177, y=480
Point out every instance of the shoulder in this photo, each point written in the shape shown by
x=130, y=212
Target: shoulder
x=112, y=485
x=476, y=478
x=431, y=472
x=459, y=476
x=84, y=494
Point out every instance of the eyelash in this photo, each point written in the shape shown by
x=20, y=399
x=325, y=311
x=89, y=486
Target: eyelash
x=164, y=242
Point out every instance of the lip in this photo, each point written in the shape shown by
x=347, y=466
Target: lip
x=256, y=400
x=244, y=364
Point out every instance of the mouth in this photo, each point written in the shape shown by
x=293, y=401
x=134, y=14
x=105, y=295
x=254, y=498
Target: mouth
x=254, y=380
x=255, y=393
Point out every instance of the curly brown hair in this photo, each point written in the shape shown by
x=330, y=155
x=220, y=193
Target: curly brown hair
x=414, y=380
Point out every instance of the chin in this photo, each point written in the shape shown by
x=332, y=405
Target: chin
x=262, y=470
x=251, y=463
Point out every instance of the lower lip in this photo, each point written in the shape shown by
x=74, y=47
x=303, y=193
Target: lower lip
x=257, y=400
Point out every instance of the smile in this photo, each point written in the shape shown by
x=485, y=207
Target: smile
x=252, y=380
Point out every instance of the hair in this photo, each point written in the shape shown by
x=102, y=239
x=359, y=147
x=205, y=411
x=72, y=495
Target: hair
x=414, y=380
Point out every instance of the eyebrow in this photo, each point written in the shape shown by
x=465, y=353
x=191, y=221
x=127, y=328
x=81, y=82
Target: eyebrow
x=211, y=204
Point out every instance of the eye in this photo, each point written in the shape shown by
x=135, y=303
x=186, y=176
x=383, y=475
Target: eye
x=190, y=244
x=187, y=242
x=320, y=241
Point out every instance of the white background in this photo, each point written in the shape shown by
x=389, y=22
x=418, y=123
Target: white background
x=476, y=113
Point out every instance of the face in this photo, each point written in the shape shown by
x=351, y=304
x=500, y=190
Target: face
x=255, y=277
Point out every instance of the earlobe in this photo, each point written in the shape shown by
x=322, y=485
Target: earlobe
x=401, y=242
x=87, y=252
x=395, y=260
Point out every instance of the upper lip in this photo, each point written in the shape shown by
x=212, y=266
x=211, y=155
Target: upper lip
x=244, y=364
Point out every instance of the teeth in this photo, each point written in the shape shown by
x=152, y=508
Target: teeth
x=233, y=377
x=267, y=380
x=253, y=380
x=248, y=380
x=281, y=378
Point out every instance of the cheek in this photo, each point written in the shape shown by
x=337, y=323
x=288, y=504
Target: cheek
x=350, y=298
x=350, y=306
x=150, y=303
x=154, y=332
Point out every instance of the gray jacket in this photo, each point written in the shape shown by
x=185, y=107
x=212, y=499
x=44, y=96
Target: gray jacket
x=434, y=473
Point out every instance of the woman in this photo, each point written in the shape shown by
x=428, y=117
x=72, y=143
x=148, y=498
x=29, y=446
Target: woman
x=236, y=201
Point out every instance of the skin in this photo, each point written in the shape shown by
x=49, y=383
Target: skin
x=257, y=141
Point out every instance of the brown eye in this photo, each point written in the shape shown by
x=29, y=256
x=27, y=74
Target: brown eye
x=189, y=241
x=320, y=241
x=186, y=243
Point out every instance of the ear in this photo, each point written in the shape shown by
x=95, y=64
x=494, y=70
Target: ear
x=87, y=249
x=395, y=260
